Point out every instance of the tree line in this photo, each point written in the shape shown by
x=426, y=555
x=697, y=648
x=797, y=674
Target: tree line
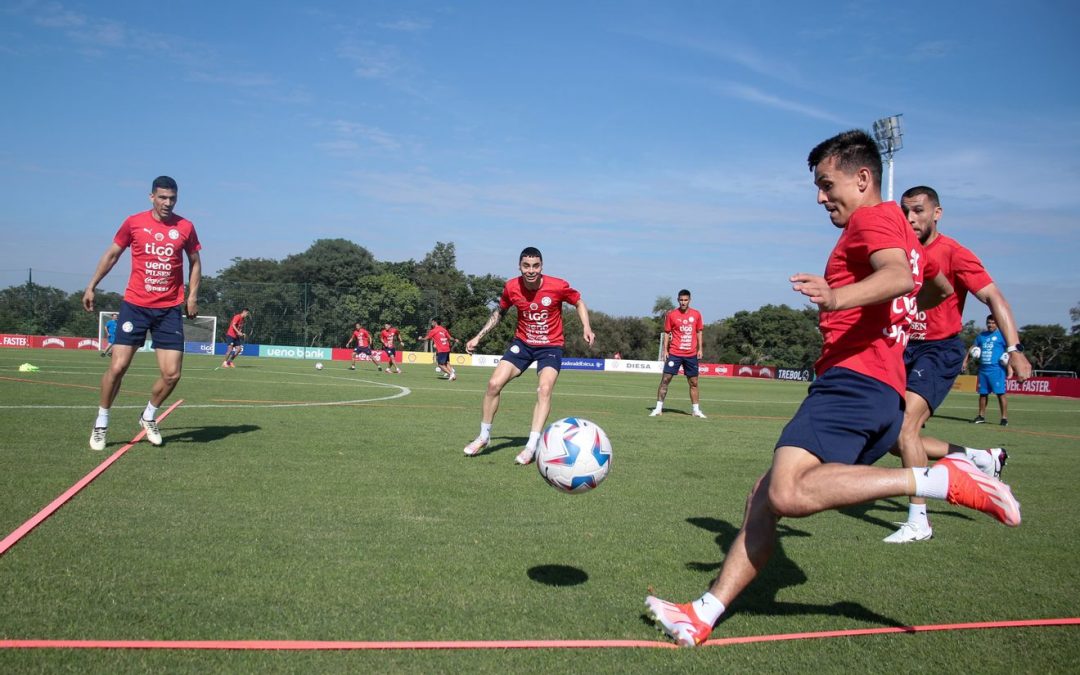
x=313, y=298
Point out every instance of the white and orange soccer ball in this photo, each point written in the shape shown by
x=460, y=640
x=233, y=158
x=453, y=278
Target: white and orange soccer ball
x=318, y=365
x=574, y=455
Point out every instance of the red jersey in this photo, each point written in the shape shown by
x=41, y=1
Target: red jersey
x=967, y=275
x=539, y=322
x=683, y=328
x=157, y=263
x=871, y=340
x=235, y=325
x=387, y=336
x=441, y=338
x=362, y=337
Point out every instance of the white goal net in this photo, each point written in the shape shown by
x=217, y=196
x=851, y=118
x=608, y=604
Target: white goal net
x=199, y=329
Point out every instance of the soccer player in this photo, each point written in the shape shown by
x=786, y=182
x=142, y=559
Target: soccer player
x=539, y=338
x=363, y=345
x=992, y=349
x=440, y=337
x=854, y=409
x=681, y=348
x=152, y=302
x=110, y=333
x=235, y=337
x=390, y=337
x=935, y=354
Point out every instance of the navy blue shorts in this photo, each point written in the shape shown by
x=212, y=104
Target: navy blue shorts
x=234, y=340
x=166, y=326
x=522, y=356
x=442, y=358
x=932, y=367
x=846, y=417
x=689, y=365
x=991, y=380
x=358, y=350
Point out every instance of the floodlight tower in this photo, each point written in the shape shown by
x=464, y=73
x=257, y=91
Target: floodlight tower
x=889, y=134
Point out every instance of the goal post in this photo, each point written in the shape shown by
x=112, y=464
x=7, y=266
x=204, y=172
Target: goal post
x=199, y=329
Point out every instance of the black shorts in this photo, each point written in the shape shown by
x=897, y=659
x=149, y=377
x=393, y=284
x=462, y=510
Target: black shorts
x=166, y=326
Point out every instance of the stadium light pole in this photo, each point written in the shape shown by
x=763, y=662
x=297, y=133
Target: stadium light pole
x=889, y=134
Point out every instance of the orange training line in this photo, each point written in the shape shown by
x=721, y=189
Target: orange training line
x=308, y=645
x=44, y=513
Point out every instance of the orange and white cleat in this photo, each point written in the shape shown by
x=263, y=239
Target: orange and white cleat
x=970, y=487
x=474, y=448
x=679, y=622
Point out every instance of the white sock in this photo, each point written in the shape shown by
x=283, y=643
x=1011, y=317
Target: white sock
x=916, y=515
x=659, y=405
x=485, y=430
x=932, y=483
x=151, y=411
x=102, y=418
x=534, y=436
x=708, y=608
x=697, y=407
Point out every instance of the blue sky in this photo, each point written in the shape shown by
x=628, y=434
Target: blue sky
x=643, y=146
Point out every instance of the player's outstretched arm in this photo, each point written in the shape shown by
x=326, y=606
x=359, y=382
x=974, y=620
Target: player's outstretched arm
x=993, y=298
x=492, y=321
x=890, y=279
x=586, y=327
x=934, y=292
x=105, y=264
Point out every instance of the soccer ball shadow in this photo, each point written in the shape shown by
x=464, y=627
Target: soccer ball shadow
x=557, y=575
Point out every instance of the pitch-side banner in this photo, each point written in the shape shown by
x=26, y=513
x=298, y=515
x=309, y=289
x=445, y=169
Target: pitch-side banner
x=632, y=366
x=1046, y=386
x=767, y=372
x=716, y=369
x=574, y=363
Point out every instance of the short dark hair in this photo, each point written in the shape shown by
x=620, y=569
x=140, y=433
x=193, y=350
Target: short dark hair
x=990, y=317
x=682, y=293
x=530, y=252
x=853, y=150
x=163, y=182
x=930, y=193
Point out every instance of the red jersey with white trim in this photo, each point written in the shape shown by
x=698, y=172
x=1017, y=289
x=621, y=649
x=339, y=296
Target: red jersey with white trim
x=966, y=273
x=235, y=325
x=683, y=328
x=157, y=261
x=539, y=322
x=362, y=337
x=441, y=338
x=388, y=336
x=871, y=340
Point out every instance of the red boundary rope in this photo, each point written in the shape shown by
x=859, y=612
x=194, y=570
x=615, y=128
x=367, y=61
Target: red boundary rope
x=44, y=513
x=302, y=645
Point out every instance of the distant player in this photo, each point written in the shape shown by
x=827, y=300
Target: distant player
x=234, y=337
x=110, y=335
x=681, y=348
x=935, y=353
x=390, y=340
x=992, y=376
x=362, y=338
x=538, y=338
x=854, y=409
x=442, y=340
x=152, y=302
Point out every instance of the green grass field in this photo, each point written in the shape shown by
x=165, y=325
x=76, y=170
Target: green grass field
x=264, y=517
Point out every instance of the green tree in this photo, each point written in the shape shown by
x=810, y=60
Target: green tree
x=338, y=263
x=1044, y=345
x=774, y=336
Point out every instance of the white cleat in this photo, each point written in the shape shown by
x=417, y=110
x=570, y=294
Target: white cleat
x=657, y=412
x=1000, y=457
x=909, y=533
x=474, y=448
x=698, y=413
x=97, y=438
x=525, y=456
x=153, y=434
x=453, y=376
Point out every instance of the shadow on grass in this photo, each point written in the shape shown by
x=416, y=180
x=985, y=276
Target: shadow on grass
x=898, y=509
x=671, y=411
x=780, y=572
x=206, y=434
x=504, y=442
x=557, y=575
